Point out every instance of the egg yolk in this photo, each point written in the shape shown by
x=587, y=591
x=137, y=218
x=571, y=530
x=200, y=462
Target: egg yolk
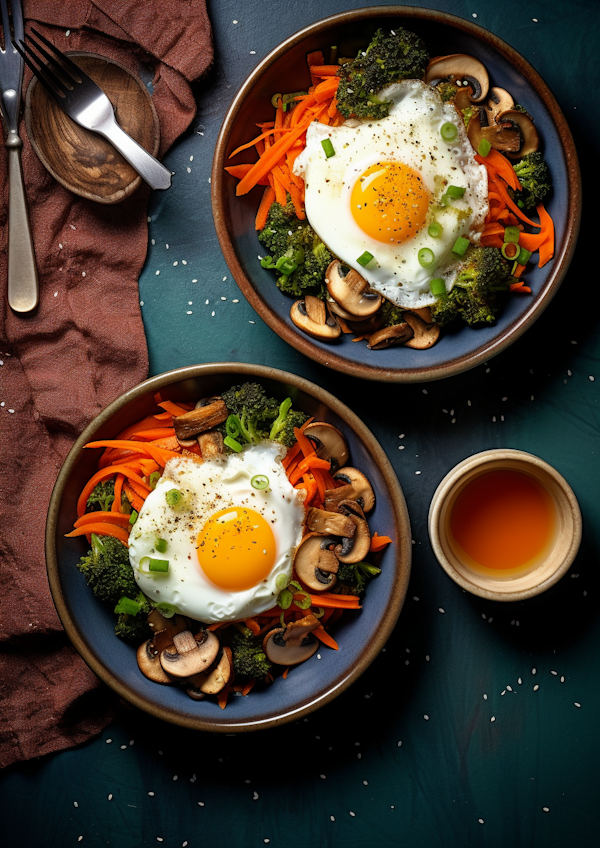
x=389, y=202
x=236, y=548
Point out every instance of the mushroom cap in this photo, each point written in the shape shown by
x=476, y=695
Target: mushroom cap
x=292, y=644
x=499, y=100
x=329, y=523
x=188, y=655
x=502, y=136
x=354, y=548
x=458, y=67
x=528, y=134
x=357, y=488
x=211, y=443
x=200, y=419
x=398, y=334
x=149, y=663
x=328, y=441
x=425, y=335
x=312, y=316
x=315, y=565
x=351, y=290
x=212, y=681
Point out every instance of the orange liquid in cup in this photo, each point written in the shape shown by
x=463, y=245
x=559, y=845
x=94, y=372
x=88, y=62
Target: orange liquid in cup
x=504, y=521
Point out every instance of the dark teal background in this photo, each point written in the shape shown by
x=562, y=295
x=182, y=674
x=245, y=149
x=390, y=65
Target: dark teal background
x=410, y=755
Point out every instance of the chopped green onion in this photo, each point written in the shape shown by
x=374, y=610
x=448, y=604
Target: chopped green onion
x=304, y=601
x=267, y=262
x=128, y=606
x=460, y=246
x=231, y=443
x=365, y=258
x=435, y=229
x=233, y=426
x=426, y=257
x=259, y=481
x=511, y=234
x=290, y=99
x=286, y=265
x=165, y=609
x=133, y=517
x=159, y=566
x=333, y=55
x=173, y=497
x=318, y=612
x=510, y=250
x=161, y=545
x=448, y=131
x=437, y=286
x=285, y=598
x=524, y=256
x=484, y=147
x=281, y=581
x=275, y=100
x=455, y=191
x=514, y=268
x=153, y=479
x=328, y=147
x=293, y=584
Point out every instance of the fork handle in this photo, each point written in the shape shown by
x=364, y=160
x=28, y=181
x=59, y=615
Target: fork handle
x=23, y=290
x=149, y=168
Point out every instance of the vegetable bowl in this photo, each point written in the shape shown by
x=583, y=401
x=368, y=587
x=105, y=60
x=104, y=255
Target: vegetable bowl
x=325, y=670
x=334, y=313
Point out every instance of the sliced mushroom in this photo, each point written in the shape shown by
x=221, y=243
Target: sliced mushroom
x=198, y=420
x=315, y=565
x=356, y=488
x=502, y=136
x=329, y=523
x=528, y=135
x=329, y=443
x=211, y=443
x=149, y=662
x=157, y=622
x=338, y=310
x=212, y=681
x=423, y=312
x=292, y=644
x=351, y=291
x=458, y=67
x=312, y=316
x=398, y=334
x=425, y=335
x=499, y=100
x=367, y=327
x=356, y=547
x=188, y=654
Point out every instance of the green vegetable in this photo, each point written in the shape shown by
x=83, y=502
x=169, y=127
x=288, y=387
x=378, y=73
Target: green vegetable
x=229, y=442
x=158, y=566
x=161, y=545
x=102, y=496
x=447, y=90
x=535, y=179
x=510, y=250
x=173, y=497
x=426, y=257
x=249, y=659
x=259, y=417
x=437, y=286
x=134, y=627
x=455, y=191
x=390, y=314
x=107, y=570
x=328, y=148
x=460, y=246
x=435, y=229
x=388, y=59
x=259, y=481
x=474, y=298
x=484, y=147
x=512, y=234
x=365, y=258
x=353, y=578
x=448, y=131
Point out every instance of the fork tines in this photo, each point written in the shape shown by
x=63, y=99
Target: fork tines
x=58, y=73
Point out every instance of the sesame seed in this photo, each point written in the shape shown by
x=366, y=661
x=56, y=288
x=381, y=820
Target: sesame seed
x=426, y=717
x=110, y=797
x=352, y=814
x=493, y=718
x=536, y=687
x=480, y=821
x=151, y=794
x=577, y=704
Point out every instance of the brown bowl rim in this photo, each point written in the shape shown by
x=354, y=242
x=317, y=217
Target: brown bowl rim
x=403, y=547
x=38, y=147
x=514, y=330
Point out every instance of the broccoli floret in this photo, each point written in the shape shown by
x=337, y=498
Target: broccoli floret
x=297, y=253
x=262, y=417
x=447, y=90
x=390, y=314
x=387, y=59
x=102, y=497
x=285, y=434
x=107, y=569
x=518, y=108
x=134, y=627
x=352, y=578
x=535, y=180
x=249, y=659
x=473, y=298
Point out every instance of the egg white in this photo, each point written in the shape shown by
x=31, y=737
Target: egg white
x=209, y=487
x=410, y=135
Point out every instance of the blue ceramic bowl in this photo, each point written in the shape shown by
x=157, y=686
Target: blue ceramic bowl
x=90, y=623
x=459, y=349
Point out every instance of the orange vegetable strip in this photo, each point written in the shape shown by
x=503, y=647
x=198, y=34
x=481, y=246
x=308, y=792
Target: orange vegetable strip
x=519, y=270
x=499, y=164
x=519, y=287
x=324, y=637
x=334, y=596
x=270, y=158
x=511, y=205
x=491, y=241
x=252, y=625
x=116, y=504
x=112, y=456
x=101, y=528
x=279, y=114
x=276, y=129
x=263, y=209
x=299, y=113
x=547, y=246
x=325, y=90
x=121, y=519
x=248, y=686
x=493, y=229
x=320, y=483
x=239, y=171
x=313, y=461
x=150, y=434
x=162, y=416
x=532, y=241
x=167, y=443
x=136, y=502
x=306, y=446
x=291, y=454
x=319, y=601
x=173, y=408
x=280, y=192
x=217, y=625
x=315, y=59
x=379, y=542
x=332, y=110
x=296, y=196
x=104, y=474
x=127, y=444
x=222, y=696
x=324, y=70
x=140, y=491
x=145, y=424
x=309, y=484
x=160, y=455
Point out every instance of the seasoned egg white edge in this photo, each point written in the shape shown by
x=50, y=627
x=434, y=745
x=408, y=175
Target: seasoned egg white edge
x=211, y=486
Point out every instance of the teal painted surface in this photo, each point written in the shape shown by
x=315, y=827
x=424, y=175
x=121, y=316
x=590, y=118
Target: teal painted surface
x=410, y=755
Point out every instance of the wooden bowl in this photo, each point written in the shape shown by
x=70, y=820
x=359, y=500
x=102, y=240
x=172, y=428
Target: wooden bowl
x=548, y=568
x=80, y=160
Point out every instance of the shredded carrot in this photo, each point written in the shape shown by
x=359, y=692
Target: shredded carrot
x=104, y=474
x=315, y=59
x=263, y=209
x=379, y=542
x=336, y=601
x=248, y=686
x=547, y=246
x=326, y=638
x=151, y=435
x=499, y=164
x=116, y=504
x=173, y=408
x=223, y=695
x=101, y=528
x=239, y=171
x=252, y=625
x=266, y=134
x=120, y=519
x=134, y=499
x=270, y=158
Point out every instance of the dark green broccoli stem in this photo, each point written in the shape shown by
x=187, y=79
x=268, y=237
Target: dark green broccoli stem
x=388, y=59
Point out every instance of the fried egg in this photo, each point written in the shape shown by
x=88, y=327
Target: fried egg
x=386, y=183
x=226, y=542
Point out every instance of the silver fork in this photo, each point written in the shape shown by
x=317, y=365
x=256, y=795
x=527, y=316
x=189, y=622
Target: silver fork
x=85, y=102
x=23, y=291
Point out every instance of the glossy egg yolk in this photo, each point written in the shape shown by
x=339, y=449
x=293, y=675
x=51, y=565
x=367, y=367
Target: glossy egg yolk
x=389, y=202
x=236, y=548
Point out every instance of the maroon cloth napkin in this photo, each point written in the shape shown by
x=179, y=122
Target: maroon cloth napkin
x=83, y=347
